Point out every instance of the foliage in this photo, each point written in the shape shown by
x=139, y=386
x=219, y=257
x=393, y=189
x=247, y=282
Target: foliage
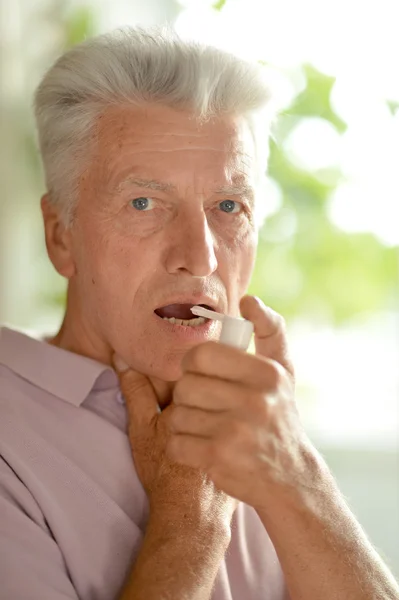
x=393, y=106
x=219, y=4
x=319, y=270
x=315, y=99
x=78, y=25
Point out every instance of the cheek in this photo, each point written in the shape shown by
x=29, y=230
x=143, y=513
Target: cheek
x=242, y=245
x=102, y=261
x=112, y=266
x=239, y=258
x=247, y=259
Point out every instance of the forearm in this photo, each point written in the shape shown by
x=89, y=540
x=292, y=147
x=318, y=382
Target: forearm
x=323, y=551
x=177, y=561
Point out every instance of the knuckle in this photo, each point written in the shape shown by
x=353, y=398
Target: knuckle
x=278, y=320
x=131, y=387
x=258, y=403
x=274, y=375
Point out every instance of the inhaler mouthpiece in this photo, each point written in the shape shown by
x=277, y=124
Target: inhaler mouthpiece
x=236, y=332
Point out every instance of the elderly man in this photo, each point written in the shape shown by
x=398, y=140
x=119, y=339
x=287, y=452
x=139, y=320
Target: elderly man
x=199, y=481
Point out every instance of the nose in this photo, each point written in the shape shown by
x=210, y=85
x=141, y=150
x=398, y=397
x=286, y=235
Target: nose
x=192, y=246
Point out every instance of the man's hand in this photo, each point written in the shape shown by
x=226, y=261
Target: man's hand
x=188, y=531
x=173, y=490
x=235, y=417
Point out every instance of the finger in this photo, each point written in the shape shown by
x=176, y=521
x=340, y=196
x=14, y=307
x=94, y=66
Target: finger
x=223, y=362
x=195, y=421
x=212, y=394
x=269, y=329
x=141, y=400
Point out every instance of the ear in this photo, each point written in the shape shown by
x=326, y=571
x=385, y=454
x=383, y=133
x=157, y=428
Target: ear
x=58, y=239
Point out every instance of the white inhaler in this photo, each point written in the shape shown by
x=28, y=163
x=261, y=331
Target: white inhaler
x=236, y=332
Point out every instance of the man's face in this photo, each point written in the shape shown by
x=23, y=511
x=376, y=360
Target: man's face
x=165, y=217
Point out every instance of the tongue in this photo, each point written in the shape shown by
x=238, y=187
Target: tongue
x=179, y=311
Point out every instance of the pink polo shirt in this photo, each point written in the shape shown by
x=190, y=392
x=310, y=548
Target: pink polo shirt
x=72, y=509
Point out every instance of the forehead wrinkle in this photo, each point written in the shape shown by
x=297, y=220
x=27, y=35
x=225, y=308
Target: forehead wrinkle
x=154, y=184
x=234, y=189
x=149, y=184
x=236, y=176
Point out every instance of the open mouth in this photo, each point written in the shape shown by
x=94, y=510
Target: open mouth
x=180, y=314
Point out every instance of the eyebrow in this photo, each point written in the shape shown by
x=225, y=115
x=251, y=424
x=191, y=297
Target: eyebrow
x=159, y=186
x=237, y=190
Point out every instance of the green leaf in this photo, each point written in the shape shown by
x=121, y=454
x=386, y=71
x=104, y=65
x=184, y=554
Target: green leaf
x=315, y=98
x=219, y=4
x=325, y=273
x=393, y=106
x=299, y=186
x=79, y=25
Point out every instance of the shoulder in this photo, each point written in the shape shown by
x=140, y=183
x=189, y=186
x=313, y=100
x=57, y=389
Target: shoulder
x=16, y=351
x=10, y=388
x=13, y=390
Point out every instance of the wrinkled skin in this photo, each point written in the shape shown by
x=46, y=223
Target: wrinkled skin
x=123, y=263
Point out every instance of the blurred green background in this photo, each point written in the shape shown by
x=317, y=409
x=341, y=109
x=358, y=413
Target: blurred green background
x=328, y=253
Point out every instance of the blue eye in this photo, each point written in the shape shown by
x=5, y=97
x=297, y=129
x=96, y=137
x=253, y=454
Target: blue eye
x=141, y=203
x=230, y=206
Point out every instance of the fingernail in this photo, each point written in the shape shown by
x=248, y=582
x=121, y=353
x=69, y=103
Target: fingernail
x=119, y=363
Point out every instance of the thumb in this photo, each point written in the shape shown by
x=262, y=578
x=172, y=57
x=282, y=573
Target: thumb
x=141, y=400
x=269, y=329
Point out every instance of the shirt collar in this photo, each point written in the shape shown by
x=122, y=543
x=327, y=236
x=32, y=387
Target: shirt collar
x=65, y=374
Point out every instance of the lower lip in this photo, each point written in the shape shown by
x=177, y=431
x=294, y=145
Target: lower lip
x=206, y=331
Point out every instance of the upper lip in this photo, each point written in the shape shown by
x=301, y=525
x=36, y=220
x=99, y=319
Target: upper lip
x=194, y=299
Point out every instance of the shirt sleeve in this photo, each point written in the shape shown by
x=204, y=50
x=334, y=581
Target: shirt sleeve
x=31, y=563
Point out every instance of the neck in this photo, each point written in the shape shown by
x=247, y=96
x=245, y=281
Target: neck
x=74, y=336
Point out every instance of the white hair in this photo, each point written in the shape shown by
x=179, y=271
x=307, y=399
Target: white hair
x=136, y=66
